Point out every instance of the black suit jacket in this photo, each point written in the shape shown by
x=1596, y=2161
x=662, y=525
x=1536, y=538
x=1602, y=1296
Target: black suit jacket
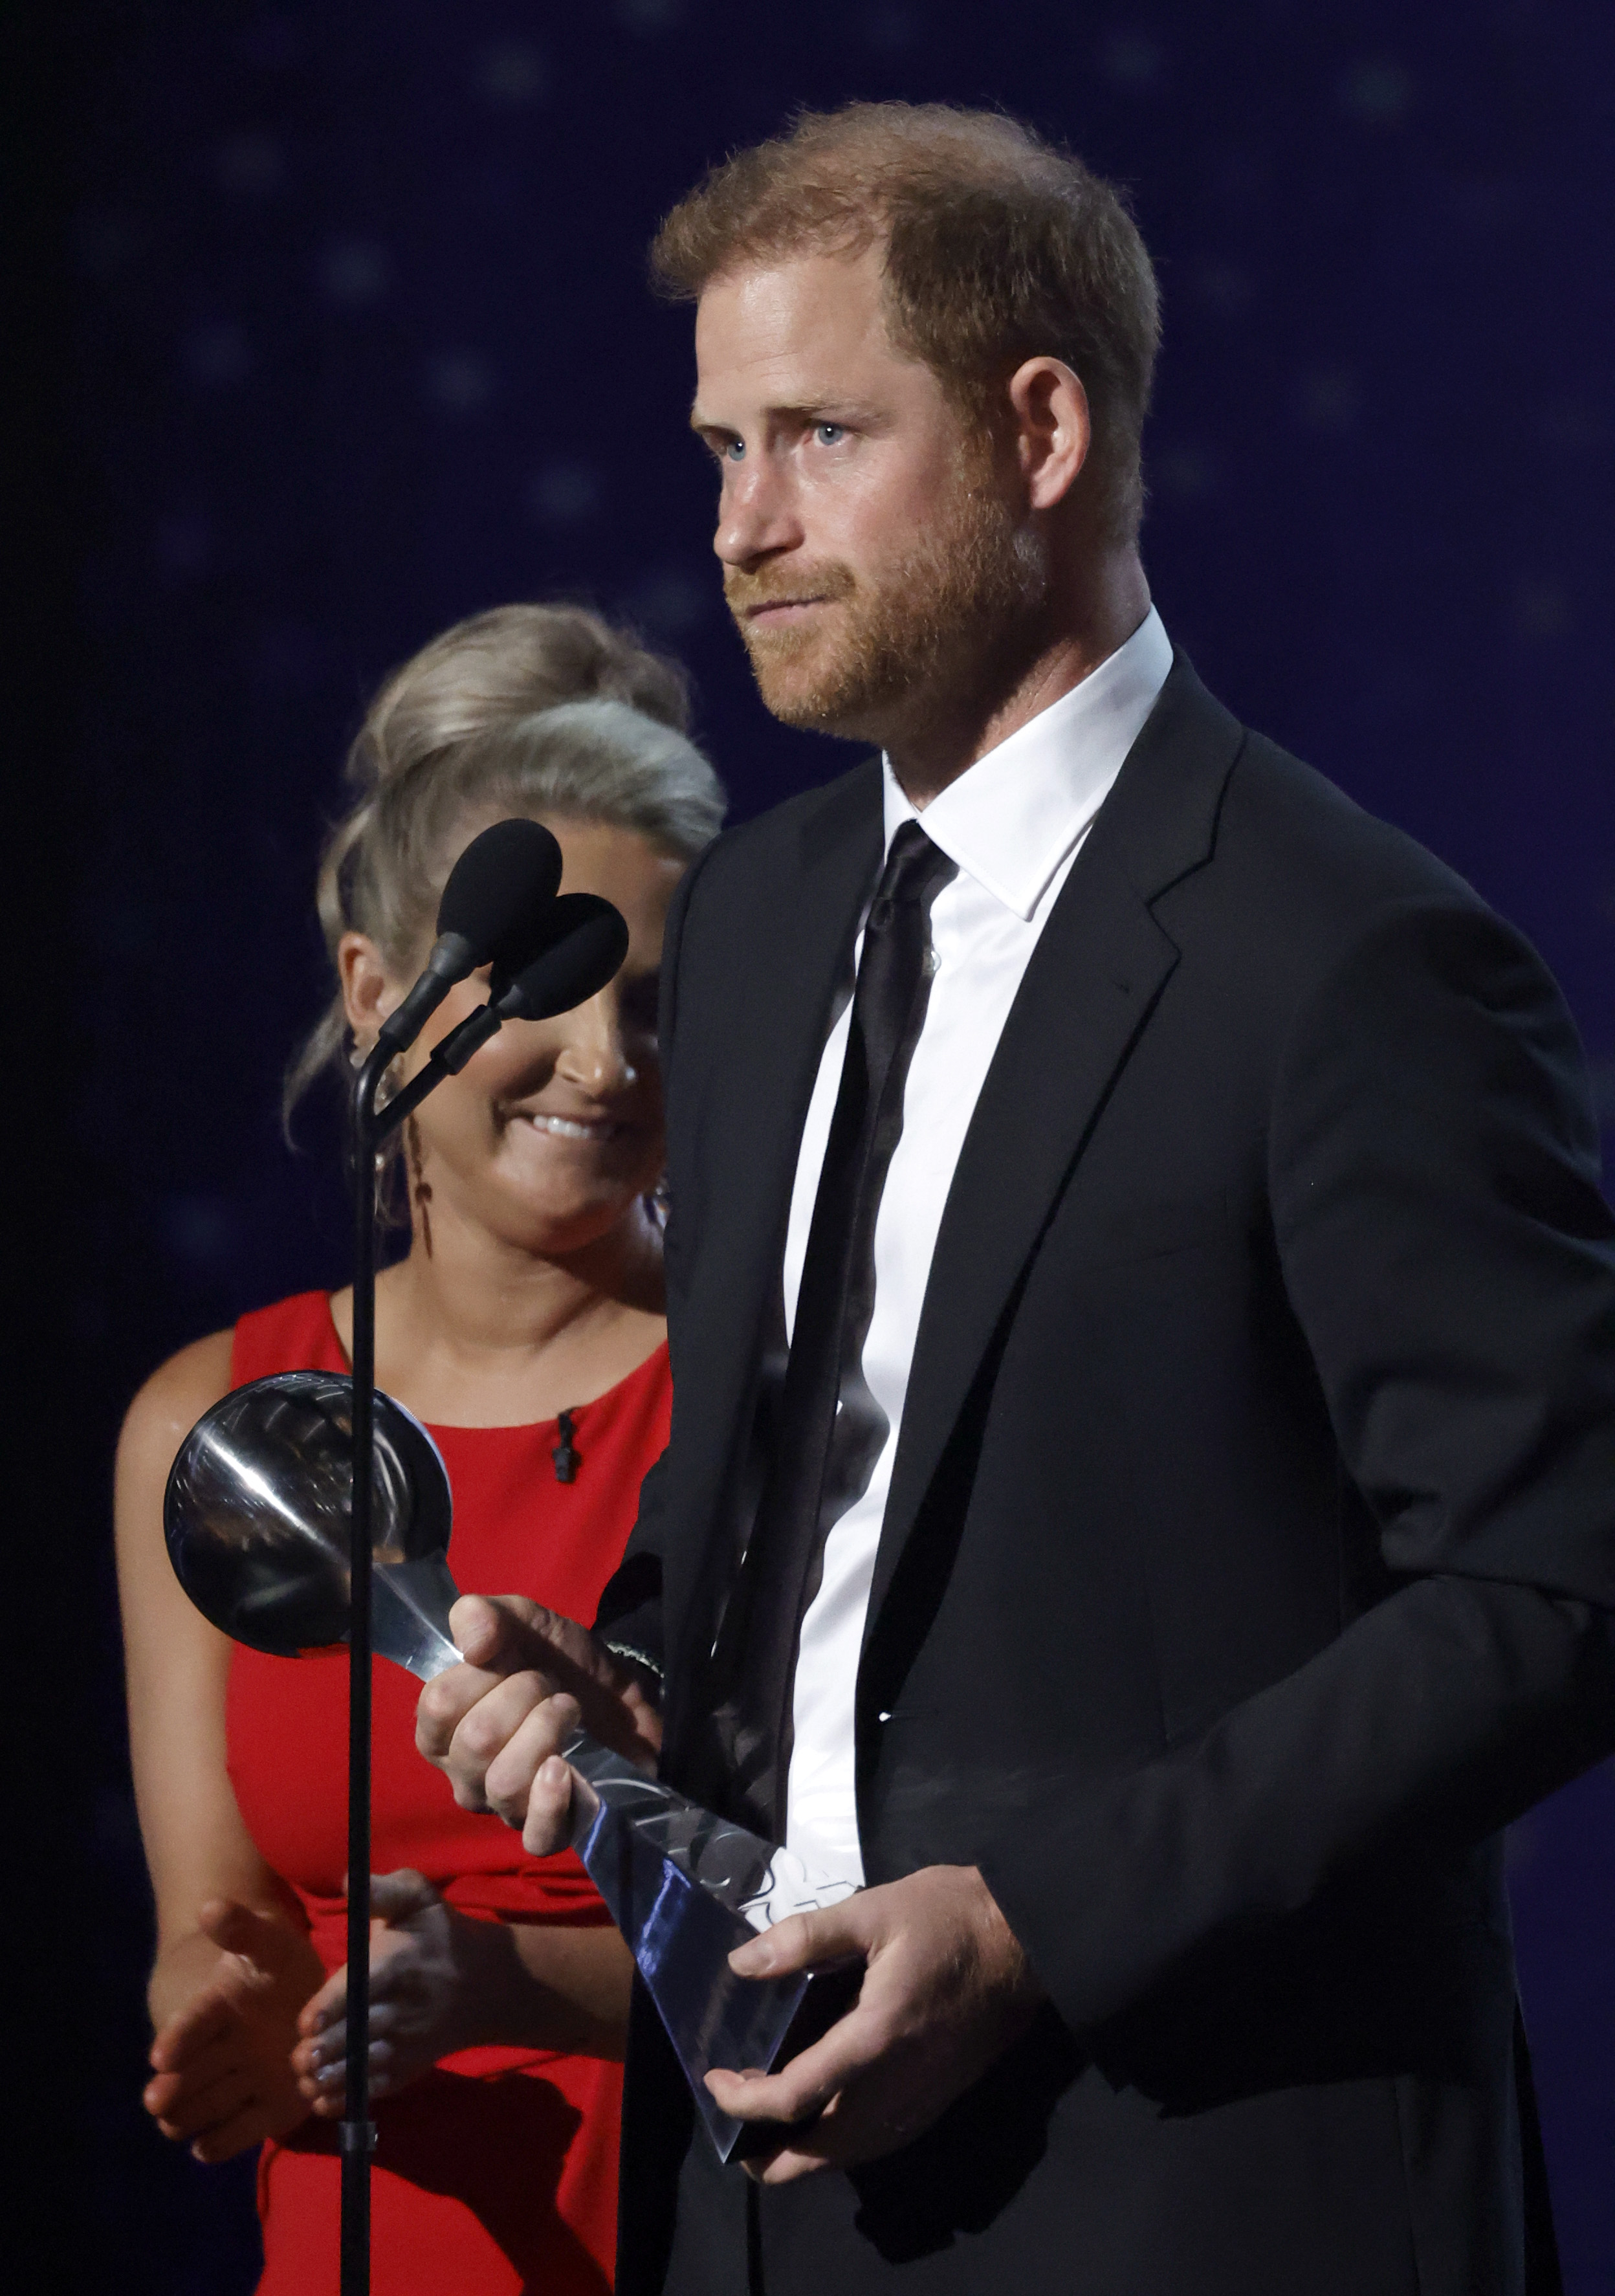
x=1249, y=1557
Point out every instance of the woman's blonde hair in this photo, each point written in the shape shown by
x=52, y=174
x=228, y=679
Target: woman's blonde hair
x=542, y=711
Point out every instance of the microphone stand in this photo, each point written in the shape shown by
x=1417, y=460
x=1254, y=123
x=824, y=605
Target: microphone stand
x=358, y=2135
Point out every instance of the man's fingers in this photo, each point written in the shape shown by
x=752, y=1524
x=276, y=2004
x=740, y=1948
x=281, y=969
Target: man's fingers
x=547, y=1825
x=499, y=1638
x=492, y=1722
x=945, y=1990
x=809, y=2082
x=806, y=2086
x=508, y=1781
x=518, y=1657
x=443, y=1704
x=483, y=1731
x=883, y=2105
x=497, y=1633
x=841, y=1932
x=879, y=2115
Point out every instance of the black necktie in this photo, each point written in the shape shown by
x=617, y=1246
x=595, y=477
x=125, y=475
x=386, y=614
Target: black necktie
x=829, y=1430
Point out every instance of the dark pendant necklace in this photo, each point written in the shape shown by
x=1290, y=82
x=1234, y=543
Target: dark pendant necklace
x=566, y=1454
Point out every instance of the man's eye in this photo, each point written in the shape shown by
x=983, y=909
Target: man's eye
x=732, y=450
x=828, y=434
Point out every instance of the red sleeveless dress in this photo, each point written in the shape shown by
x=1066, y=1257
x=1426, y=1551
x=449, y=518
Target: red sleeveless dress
x=497, y=2172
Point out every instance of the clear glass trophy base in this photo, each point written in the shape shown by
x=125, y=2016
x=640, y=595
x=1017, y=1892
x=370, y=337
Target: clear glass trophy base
x=685, y=1888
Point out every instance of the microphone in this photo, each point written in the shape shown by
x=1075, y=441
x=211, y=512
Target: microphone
x=583, y=950
x=495, y=910
x=586, y=940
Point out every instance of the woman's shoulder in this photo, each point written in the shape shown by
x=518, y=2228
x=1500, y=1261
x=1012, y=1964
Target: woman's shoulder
x=175, y=1397
x=290, y=1334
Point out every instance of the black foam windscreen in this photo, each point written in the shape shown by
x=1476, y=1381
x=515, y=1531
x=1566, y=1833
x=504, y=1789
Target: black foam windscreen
x=588, y=939
x=500, y=892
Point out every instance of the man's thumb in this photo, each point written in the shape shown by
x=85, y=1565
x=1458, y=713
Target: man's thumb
x=490, y=1634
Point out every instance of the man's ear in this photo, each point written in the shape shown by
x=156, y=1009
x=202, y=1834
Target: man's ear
x=369, y=994
x=1052, y=429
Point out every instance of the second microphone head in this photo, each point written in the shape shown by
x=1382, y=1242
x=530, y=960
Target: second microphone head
x=500, y=892
x=588, y=942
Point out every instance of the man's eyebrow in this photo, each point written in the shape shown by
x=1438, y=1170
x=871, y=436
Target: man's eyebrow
x=818, y=409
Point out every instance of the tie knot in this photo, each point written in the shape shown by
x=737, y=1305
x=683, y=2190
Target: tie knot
x=915, y=869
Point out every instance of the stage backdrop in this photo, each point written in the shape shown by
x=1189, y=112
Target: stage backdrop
x=360, y=342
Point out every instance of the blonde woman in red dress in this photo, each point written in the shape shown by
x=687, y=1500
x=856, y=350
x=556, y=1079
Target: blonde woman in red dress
x=524, y=1326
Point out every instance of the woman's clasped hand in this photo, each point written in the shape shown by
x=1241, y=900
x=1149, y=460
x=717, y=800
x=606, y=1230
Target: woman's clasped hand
x=222, y=2075
x=434, y=1988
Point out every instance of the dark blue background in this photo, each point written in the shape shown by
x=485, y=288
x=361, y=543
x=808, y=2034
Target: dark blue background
x=342, y=334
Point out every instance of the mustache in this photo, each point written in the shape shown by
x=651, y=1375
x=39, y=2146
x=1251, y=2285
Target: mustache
x=769, y=585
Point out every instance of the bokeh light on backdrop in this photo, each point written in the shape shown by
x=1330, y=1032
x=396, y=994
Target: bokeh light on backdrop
x=360, y=342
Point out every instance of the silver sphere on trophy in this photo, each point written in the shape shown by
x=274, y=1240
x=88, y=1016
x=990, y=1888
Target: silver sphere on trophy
x=257, y=1516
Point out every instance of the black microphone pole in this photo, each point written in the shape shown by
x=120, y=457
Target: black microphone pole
x=585, y=956
x=358, y=2131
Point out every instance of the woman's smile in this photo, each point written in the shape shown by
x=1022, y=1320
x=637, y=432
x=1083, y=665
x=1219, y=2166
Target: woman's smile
x=596, y=1128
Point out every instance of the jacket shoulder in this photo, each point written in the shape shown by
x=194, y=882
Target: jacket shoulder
x=1299, y=883
x=1316, y=851
x=795, y=826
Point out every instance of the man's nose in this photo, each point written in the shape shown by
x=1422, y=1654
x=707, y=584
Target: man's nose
x=756, y=515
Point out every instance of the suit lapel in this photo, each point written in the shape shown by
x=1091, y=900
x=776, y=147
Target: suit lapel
x=1099, y=966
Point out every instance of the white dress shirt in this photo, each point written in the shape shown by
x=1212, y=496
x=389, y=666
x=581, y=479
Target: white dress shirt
x=1013, y=821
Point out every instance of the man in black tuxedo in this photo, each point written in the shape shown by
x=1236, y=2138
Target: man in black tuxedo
x=1143, y=1332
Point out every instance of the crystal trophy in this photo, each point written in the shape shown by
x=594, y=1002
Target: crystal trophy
x=256, y=1515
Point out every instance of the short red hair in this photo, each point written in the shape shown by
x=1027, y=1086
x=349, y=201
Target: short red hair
x=999, y=248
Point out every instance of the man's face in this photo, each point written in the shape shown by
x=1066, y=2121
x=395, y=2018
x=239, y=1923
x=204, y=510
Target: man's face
x=871, y=557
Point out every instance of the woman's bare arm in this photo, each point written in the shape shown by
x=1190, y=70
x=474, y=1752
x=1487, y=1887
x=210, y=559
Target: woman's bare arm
x=176, y=1669
x=234, y=1962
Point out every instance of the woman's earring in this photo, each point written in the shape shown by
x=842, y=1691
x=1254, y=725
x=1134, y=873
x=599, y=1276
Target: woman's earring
x=419, y=1186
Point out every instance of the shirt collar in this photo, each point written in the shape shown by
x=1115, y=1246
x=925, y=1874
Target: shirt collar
x=1012, y=818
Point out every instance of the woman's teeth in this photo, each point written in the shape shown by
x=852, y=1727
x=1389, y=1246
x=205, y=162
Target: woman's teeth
x=565, y=1128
